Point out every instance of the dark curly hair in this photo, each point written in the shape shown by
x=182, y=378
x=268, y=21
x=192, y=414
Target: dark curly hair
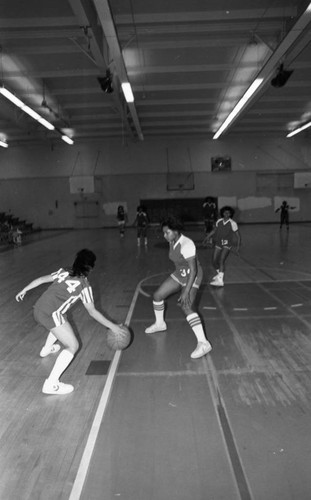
x=227, y=209
x=83, y=263
x=172, y=223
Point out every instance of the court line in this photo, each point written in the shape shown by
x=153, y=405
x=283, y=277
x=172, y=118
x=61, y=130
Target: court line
x=235, y=462
x=91, y=441
x=234, y=459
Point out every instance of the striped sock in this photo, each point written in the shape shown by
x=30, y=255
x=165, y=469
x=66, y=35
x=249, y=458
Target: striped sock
x=197, y=327
x=63, y=360
x=158, y=308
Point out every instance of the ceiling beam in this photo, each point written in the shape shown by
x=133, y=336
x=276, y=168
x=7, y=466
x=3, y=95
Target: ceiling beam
x=107, y=23
x=99, y=47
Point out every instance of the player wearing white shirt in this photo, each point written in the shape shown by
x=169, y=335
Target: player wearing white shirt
x=186, y=279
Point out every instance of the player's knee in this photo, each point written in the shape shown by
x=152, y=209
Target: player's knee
x=73, y=346
x=157, y=297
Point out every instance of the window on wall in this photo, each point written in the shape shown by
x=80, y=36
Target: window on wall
x=274, y=182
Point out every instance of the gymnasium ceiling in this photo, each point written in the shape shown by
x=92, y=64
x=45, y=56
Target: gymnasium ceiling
x=188, y=62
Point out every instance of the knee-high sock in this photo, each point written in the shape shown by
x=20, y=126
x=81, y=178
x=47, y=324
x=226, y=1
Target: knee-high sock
x=158, y=308
x=50, y=340
x=197, y=327
x=61, y=363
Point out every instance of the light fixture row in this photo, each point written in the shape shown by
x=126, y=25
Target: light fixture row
x=242, y=102
x=21, y=105
x=278, y=81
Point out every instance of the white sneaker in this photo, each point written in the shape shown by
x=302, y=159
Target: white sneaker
x=217, y=281
x=56, y=388
x=201, y=349
x=156, y=328
x=45, y=351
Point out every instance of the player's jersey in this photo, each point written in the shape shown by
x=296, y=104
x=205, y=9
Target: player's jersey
x=180, y=253
x=209, y=210
x=121, y=216
x=62, y=294
x=142, y=219
x=224, y=236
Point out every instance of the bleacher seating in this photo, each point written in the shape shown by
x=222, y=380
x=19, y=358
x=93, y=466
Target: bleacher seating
x=13, y=230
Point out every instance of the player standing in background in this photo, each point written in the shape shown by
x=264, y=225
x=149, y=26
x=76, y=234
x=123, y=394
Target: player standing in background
x=186, y=279
x=68, y=286
x=122, y=219
x=223, y=236
x=141, y=222
x=209, y=214
x=284, y=208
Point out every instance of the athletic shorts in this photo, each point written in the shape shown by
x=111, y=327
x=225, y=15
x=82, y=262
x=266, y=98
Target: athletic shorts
x=223, y=245
x=182, y=279
x=46, y=319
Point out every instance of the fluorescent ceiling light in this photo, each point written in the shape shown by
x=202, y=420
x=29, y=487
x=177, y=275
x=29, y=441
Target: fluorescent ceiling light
x=127, y=91
x=250, y=91
x=299, y=129
x=20, y=104
x=4, y=144
x=46, y=124
x=67, y=139
x=11, y=97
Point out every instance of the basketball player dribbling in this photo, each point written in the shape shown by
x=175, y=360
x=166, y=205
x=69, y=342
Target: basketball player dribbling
x=68, y=286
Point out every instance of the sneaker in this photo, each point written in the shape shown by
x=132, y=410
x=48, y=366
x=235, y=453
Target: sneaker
x=45, y=351
x=217, y=281
x=156, y=328
x=56, y=388
x=201, y=349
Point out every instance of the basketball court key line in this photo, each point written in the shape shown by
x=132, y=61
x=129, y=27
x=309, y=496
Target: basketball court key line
x=91, y=441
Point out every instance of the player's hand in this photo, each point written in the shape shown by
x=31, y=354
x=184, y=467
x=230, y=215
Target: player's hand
x=20, y=296
x=207, y=242
x=184, y=300
x=116, y=329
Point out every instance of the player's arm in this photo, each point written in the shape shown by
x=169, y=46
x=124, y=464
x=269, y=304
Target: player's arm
x=238, y=238
x=37, y=282
x=209, y=236
x=100, y=318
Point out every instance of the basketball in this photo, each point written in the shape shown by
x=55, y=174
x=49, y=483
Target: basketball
x=119, y=342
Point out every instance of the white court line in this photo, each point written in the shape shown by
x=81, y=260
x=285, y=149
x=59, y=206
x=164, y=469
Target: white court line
x=89, y=447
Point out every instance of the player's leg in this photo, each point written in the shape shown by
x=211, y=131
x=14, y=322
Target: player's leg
x=216, y=263
x=195, y=323
x=223, y=257
x=65, y=334
x=282, y=219
x=144, y=235
x=138, y=235
x=168, y=287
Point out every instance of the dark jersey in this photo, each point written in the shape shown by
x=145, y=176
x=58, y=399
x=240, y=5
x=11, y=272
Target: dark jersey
x=62, y=294
x=224, y=236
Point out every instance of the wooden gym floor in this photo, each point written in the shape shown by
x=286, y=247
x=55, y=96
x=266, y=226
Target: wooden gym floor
x=150, y=423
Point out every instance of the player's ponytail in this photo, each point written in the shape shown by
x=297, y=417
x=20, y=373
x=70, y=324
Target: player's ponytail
x=83, y=263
